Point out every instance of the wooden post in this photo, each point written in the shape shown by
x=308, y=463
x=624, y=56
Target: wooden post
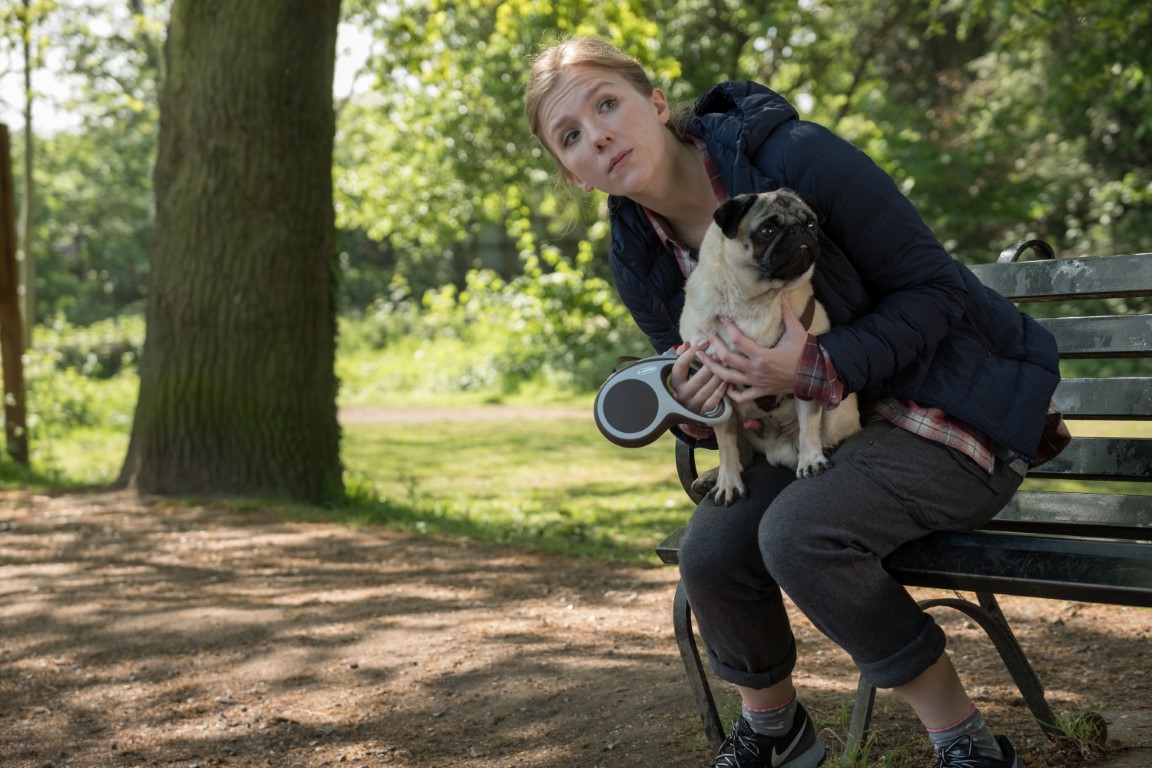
x=11, y=322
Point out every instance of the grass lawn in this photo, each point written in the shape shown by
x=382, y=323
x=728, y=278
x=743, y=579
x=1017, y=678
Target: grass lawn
x=553, y=484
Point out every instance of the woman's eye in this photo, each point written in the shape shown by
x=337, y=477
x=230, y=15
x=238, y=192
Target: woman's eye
x=570, y=138
x=607, y=104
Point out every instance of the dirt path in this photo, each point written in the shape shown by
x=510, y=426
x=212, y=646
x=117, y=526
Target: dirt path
x=135, y=633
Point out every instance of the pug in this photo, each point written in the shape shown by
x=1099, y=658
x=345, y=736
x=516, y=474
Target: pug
x=759, y=248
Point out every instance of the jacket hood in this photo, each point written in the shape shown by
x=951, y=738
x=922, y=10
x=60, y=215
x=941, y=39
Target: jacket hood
x=744, y=113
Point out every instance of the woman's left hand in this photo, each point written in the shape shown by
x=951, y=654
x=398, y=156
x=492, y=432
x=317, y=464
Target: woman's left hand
x=752, y=370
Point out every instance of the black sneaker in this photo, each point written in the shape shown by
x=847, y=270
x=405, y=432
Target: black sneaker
x=799, y=748
x=961, y=754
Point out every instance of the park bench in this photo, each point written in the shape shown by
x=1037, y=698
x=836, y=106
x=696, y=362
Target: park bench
x=1091, y=544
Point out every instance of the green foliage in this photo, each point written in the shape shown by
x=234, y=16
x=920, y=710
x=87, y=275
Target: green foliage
x=555, y=328
x=80, y=386
x=1000, y=122
x=94, y=221
x=93, y=214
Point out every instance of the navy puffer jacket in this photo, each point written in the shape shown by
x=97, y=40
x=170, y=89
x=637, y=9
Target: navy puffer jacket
x=908, y=320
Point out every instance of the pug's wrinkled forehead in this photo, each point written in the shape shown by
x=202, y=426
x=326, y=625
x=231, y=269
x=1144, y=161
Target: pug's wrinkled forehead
x=781, y=207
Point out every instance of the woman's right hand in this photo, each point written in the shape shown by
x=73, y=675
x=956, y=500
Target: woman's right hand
x=700, y=391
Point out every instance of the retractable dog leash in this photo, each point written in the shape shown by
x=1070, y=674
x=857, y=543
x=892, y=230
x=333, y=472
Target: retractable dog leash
x=635, y=405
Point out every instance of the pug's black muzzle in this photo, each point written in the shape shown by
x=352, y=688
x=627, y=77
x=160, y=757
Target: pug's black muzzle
x=793, y=252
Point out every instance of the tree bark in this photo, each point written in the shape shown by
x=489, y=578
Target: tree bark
x=28, y=189
x=237, y=380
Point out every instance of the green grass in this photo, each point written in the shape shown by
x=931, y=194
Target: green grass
x=556, y=485
x=551, y=484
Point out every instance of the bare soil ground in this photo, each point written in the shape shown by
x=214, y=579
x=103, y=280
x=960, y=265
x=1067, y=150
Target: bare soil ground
x=134, y=632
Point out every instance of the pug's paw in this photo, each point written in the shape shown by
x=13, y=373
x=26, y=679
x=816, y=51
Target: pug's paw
x=814, y=467
x=704, y=484
x=729, y=488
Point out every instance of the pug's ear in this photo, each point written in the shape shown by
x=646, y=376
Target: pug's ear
x=729, y=215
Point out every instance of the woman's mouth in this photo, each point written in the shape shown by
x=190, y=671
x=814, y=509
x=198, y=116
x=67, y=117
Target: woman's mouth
x=618, y=160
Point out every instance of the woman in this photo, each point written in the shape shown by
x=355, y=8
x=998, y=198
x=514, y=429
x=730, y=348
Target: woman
x=956, y=384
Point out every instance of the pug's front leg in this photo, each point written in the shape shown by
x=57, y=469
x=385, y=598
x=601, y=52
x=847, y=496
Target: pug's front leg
x=812, y=461
x=729, y=484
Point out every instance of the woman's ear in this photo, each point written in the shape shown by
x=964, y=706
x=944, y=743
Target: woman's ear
x=578, y=183
x=663, y=108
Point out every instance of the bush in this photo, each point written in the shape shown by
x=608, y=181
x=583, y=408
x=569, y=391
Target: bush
x=554, y=328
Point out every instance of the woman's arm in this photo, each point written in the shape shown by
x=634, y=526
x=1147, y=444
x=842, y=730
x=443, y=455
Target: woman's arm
x=917, y=288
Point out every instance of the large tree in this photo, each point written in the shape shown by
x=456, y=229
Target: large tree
x=237, y=383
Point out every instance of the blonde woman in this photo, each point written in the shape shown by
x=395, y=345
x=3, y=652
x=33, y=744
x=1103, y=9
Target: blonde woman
x=954, y=381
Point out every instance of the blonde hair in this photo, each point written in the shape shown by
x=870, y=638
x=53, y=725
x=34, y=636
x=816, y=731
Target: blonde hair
x=549, y=64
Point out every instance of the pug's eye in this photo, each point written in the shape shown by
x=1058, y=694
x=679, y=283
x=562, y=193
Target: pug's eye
x=766, y=230
x=811, y=224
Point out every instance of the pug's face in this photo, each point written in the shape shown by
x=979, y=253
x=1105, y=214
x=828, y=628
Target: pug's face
x=768, y=237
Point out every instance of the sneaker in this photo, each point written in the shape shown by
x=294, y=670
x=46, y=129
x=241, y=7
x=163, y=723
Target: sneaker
x=960, y=754
x=799, y=748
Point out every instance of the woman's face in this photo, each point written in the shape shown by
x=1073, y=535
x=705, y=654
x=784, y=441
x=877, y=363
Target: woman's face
x=606, y=134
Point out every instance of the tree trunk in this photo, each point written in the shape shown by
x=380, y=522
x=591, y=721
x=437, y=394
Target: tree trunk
x=237, y=380
x=28, y=189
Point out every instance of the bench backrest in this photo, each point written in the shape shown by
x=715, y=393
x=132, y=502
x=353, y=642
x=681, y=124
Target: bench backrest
x=1103, y=318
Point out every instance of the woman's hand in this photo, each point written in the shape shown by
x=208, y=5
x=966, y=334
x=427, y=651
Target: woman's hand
x=699, y=391
x=751, y=371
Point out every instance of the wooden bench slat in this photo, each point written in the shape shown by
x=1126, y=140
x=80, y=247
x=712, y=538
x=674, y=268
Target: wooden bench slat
x=1058, y=279
x=1114, y=398
x=1101, y=336
x=1101, y=515
x=1101, y=458
x=1033, y=566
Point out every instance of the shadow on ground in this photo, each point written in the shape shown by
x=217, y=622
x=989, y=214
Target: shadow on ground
x=142, y=634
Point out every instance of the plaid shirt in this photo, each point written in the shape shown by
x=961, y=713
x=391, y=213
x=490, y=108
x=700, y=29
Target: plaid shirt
x=817, y=380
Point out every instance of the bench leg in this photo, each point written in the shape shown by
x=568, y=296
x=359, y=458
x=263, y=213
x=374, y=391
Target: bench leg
x=1018, y=665
x=861, y=718
x=690, y=655
x=988, y=615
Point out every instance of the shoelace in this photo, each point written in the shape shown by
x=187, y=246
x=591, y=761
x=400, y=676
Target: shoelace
x=739, y=741
x=958, y=754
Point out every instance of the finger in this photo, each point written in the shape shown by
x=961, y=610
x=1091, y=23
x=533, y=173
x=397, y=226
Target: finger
x=712, y=402
x=726, y=373
x=728, y=355
x=738, y=341
x=747, y=394
x=682, y=368
x=792, y=324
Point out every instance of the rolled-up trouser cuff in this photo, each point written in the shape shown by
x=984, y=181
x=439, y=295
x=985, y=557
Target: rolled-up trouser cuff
x=908, y=663
x=755, y=680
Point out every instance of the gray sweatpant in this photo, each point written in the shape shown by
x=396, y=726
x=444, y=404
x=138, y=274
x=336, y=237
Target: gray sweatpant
x=821, y=540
